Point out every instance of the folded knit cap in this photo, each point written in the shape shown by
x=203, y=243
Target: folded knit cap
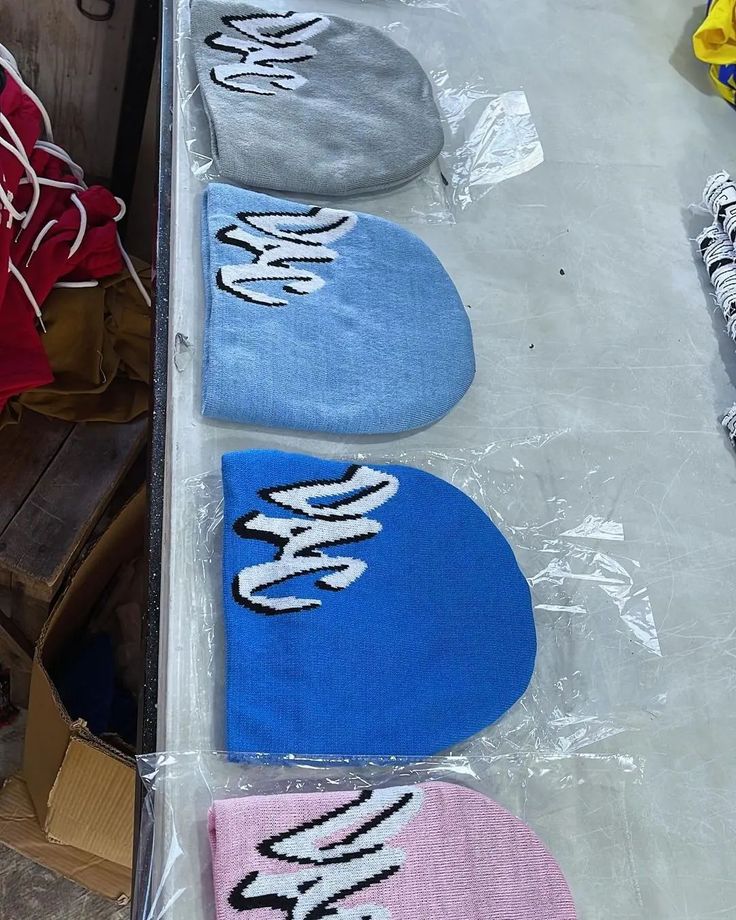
x=311, y=104
x=325, y=320
x=435, y=851
x=368, y=609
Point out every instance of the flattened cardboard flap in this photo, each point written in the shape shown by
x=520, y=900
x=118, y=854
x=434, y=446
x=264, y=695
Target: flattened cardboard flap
x=47, y=735
x=20, y=830
x=90, y=804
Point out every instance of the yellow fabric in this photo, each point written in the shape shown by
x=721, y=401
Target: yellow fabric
x=715, y=41
x=98, y=343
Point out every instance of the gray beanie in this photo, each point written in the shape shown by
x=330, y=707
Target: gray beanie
x=310, y=104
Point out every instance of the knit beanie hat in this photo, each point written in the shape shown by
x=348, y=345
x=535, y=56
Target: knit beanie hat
x=434, y=850
x=303, y=103
x=326, y=320
x=368, y=609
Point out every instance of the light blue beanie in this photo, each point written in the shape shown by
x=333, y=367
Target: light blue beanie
x=326, y=320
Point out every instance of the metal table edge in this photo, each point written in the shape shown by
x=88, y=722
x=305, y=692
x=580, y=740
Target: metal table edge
x=148, y=700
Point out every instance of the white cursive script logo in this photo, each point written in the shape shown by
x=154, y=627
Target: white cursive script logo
x=281, y=240
x=264, y=43
x=300, y=540
x=358, y=859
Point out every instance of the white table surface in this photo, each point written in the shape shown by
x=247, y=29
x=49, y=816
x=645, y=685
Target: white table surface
x=598, y=452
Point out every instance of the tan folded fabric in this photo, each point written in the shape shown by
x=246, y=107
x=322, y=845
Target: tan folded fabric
x=98, y=343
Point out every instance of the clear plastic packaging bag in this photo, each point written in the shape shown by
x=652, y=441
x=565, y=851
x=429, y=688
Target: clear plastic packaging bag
x=598, y=669
x=582, y=807
x=489, y=131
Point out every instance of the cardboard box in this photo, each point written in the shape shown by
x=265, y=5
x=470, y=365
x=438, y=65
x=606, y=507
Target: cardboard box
x=82, y=789
x=19, y=829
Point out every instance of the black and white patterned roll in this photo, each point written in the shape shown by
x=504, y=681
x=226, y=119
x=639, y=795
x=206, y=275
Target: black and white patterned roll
x=719, y=257
x=720, y=196
x=729, y=423
x=716, y=249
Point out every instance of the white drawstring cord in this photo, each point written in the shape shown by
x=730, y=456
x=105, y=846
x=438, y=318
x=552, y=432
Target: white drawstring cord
x=7, y=200
x=55, y=183
x=134, y=274
x=61, y=154
x=8, y=63
x=4, y=53
x=27, y=291
x=25, y=217
x=13, y=70
x=37, y=242
x=20, y=155
x=80, y=236
x=7, y=197
x=45, y=229
x=126, y=258
x=76, y=284
x=82, y=225
x=38, y=181
x=77, y=170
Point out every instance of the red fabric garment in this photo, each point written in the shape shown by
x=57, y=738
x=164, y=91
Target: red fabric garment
x=25, y=118
x=65, y=250
x=23, y=362
x=98, y=255
x=52, y=203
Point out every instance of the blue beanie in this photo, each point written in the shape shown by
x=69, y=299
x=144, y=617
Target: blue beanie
x=326, y=320
x=368, y=609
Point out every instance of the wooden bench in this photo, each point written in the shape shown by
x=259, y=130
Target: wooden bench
x=57, y=479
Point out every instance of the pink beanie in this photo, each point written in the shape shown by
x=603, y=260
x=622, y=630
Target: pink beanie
x=434, y=851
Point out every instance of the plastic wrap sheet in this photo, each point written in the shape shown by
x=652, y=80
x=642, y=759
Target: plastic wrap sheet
x=489, y=131
x=590, y=435
x=581, y=806
x=598, y=665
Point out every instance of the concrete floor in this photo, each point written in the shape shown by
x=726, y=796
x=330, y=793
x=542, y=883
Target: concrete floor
x=30, y=891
